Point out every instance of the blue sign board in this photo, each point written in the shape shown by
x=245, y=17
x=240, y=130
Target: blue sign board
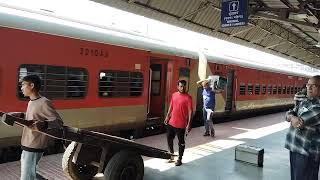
x=234, y=13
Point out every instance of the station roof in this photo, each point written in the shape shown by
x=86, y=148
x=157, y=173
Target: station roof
x=286, y=28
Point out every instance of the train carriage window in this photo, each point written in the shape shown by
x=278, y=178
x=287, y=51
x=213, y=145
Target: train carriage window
x=279, y=89
x=250, y=89
x=217, y=67
x=264, y=89
x=269, y=89
x=274, y=89
x=136, y=83
x=58, y=82
x=156, y=79
x=257, y=89
x=242, y=89
x=76, y=82
x=284, y=90
x=120, y=84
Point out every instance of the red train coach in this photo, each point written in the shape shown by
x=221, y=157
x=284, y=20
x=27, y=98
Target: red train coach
x=111, y=83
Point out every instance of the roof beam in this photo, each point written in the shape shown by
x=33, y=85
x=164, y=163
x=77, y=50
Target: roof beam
x=283, y=14
x=261, y=3
x=244, y=30
x=316, y=41
x=296, y=53
x=259, y=15
x=278, y=10
x=287, y=3
x=259, y=39
x=289, y=49
x=308, y=61
x=314, y=12
x=203, y=6
x=269, y=26
x=148, y=2
x=278, y=44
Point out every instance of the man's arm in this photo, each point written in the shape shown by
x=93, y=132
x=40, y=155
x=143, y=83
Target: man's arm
x=291, y=116
x=189, y=120
x=295, y=121
x=53, y=119
x=290, y=113
x=166, y=120
x=199, y=83
x=311, y=117
x=189, y=125
x=17, y=114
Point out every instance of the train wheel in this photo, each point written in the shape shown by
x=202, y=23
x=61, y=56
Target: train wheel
x=125, y=165
x=76, y=171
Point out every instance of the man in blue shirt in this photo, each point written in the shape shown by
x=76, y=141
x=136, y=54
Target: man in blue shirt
x=209, y=103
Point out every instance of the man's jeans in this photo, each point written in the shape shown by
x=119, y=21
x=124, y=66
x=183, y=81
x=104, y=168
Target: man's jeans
x=208, y=124
x=29, y=161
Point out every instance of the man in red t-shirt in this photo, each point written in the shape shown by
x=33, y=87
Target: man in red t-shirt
x=178, y=118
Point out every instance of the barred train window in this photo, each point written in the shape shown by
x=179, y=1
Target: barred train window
x=284, y=89
x=242, y=89
x=250, y=89
x=274, y=90
x=288, y=89
x=264, y=89
x=279, y=89
x=269, y=89
x=57, y=82
x=257, y=89
x=120, y=84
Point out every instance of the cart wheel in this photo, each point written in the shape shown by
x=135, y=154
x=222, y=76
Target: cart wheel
x=76, y=171
x=124, y=165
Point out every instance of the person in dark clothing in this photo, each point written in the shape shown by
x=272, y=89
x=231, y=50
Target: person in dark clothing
x=178, y=119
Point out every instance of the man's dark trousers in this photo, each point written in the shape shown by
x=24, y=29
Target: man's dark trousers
x=303, y=167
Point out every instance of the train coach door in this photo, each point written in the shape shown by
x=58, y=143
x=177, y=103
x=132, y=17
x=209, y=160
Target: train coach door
x=157, y=86
x=230, y=92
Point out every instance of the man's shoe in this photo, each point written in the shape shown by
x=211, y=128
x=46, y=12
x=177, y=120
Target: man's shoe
x=212, y=133
x=171, y=160
x=178, y=163
x=206, y=134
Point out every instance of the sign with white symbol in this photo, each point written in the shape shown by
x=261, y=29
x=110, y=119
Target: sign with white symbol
x=234, y=13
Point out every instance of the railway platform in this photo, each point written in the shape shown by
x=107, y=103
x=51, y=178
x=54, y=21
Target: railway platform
x=204, y=158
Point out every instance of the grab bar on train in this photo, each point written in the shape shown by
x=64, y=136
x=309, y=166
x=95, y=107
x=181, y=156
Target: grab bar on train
x=149, y=95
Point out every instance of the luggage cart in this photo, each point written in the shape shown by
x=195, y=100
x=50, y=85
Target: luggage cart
x=92, y=152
